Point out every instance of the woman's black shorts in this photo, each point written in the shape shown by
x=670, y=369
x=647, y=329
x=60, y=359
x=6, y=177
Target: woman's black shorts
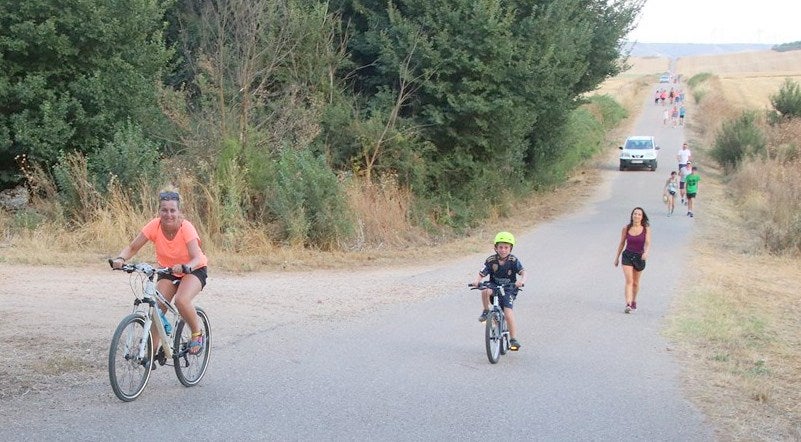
x=201, y=274
x=633, y=259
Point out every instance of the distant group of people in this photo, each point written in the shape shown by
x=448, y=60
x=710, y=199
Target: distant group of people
x=635, y=237
x=674, y=116
x=673, y=101
x=684, y=182
x=665, y=97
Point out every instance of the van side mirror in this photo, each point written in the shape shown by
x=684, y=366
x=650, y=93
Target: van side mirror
x=621, y=147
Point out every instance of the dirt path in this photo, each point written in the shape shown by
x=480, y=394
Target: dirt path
x=57, y=321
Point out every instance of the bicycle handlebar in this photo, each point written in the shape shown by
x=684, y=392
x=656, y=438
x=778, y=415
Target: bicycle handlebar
x=488, y=285
x=141, y=267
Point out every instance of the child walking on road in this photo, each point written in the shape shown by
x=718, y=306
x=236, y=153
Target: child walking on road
x=692, y=189
x=670, y=190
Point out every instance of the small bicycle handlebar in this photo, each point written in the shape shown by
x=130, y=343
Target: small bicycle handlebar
x=488, y=285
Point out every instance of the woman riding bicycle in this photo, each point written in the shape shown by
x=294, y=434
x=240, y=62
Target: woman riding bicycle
x=178, y=248
x=503, y=268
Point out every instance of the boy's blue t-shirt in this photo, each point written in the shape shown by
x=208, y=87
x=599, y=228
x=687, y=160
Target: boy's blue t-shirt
x=502, y=274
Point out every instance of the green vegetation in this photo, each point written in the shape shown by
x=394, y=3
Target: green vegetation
x=787, y=102
x=784, y=47
x=738, y=139
x=696, y=84
x=696, y=80
x=263, y=109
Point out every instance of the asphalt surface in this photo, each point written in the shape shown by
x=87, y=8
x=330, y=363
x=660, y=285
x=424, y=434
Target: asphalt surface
x=418, y=371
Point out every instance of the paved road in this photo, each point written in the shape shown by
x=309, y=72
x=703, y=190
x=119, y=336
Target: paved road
x=418, y=371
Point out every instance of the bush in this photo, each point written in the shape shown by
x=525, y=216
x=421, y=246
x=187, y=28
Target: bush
x=737, y=139
x=697, y=79
x=788, y=100
x=129, y=159
x=78, y=196
x=307, y=200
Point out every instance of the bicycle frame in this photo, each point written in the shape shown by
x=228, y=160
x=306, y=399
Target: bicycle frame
x=152, y=297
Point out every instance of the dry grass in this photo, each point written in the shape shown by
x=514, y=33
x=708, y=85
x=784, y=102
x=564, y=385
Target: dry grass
x=382, y=213
x=627, y=87
x=736, y=326
x=747, y=79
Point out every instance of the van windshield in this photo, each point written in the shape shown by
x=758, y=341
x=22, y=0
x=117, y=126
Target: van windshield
x=639, y=144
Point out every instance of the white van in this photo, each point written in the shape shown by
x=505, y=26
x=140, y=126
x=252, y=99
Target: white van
x=639, y=151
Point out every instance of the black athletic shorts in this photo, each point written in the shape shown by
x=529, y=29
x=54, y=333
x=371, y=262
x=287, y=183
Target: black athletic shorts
x=201, y=274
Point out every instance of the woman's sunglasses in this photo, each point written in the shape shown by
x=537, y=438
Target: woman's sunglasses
x=169, y=196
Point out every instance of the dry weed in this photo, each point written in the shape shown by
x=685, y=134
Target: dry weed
x=737, y=325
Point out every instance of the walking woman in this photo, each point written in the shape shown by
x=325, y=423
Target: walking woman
x=636, y=238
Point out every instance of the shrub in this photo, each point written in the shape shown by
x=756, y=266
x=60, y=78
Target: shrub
x=788, y=100
x=737, y=139
x=697, y=79
x=129, y=159
x=78, y=196
x=307, y=200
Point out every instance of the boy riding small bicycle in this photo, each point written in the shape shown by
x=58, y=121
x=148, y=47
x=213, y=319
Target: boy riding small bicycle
x=503, y=269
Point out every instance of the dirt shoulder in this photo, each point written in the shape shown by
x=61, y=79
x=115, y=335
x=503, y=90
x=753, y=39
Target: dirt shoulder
x=57, y=321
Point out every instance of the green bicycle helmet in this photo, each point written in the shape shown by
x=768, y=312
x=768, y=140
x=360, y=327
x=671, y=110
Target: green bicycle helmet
x=504, y=237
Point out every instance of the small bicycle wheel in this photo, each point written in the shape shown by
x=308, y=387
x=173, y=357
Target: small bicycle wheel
x=127, y=371
x=189, y=367
x=493, y=337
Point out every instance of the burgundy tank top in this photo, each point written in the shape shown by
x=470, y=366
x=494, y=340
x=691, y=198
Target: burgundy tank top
x=636, y=243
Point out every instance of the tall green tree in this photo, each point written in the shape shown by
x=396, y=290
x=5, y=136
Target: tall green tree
x=496, y=78
x=73, y=71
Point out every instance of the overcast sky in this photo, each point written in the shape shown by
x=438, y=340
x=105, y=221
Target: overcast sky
x=719, y=21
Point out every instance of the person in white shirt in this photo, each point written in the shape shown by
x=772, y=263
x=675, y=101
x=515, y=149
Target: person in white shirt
x=684, y=156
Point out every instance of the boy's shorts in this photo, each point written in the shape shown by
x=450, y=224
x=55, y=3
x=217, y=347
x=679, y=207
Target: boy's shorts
x=507, y=301
x=691, y=195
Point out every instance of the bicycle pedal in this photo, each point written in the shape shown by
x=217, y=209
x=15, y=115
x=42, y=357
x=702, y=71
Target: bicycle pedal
x=161, y=358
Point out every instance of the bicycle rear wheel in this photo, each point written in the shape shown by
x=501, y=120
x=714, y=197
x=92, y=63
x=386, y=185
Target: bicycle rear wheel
x=492, y=337
x=189, y=367
x=127, y=372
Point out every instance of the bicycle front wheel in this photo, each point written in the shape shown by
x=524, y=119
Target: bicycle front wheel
x=504, y=337
x=492, y=337
x=190, y=367
x=129, y=372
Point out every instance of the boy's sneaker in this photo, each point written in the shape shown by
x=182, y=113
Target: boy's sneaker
x=691, y=214
x=483, y=316
x=514, y=344
x=627, y=309
x=633, y=306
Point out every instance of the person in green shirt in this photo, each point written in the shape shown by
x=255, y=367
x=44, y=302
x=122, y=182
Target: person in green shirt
x=692, y=189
